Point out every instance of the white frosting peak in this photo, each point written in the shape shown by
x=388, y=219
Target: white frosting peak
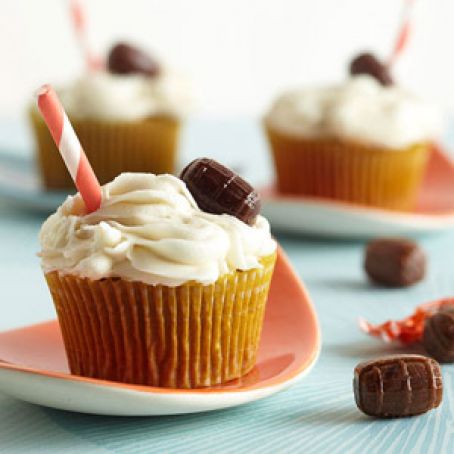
x=150, y=229
x=361, y=109
x=106, y=96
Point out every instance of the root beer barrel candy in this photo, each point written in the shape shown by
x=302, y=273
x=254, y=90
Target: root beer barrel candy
x=126, y=59
x=218, y=190
x=366, y=63
x=398, y=385
x=438, y=337
x=395, y=262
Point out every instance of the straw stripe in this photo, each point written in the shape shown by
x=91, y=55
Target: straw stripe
x=79, y=20
x=52, y=111
x=78, y=16
x=69, y=146
x=404, y=31
x=402, y=39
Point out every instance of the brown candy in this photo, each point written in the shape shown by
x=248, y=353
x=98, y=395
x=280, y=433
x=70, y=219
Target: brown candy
x=126, y=59
x=218, y=190
x=395, y=262
x=368, y=64
x=438, y=336
x=398, y=385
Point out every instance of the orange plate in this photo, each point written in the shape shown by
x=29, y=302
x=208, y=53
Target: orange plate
x=289, y=347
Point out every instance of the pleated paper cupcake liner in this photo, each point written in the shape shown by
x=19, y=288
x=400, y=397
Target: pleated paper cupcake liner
x=348, y=171
x=188, y=336
x=112, y=147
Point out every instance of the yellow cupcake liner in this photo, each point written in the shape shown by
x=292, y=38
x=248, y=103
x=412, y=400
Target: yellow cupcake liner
x=348, y=171
x=188, y=336
x=112, y=147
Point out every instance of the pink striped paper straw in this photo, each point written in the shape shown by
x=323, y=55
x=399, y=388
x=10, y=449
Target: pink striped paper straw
x=69, y=146
x=404, y=31
x=79, y=20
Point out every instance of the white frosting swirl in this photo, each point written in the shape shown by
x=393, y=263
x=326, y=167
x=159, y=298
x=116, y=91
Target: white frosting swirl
x=361, y=109
x=150, y=229
x=106, y=96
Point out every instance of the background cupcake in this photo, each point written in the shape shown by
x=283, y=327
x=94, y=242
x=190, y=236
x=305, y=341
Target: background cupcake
x=365, y=140
x=150, y=289
x=127, y=117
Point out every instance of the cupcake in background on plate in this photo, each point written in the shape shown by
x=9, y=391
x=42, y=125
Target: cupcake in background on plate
x=162, y=286
x=364, y=141
x=127, y=117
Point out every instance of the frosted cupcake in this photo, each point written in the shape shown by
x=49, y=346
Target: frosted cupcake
x=364, y=140
x=127, y=118
x=151, y=289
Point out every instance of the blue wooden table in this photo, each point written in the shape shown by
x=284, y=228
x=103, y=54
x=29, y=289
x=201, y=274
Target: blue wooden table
x=317, y=415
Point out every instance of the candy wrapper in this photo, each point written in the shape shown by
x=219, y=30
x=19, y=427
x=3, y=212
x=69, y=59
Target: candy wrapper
x=409, y=329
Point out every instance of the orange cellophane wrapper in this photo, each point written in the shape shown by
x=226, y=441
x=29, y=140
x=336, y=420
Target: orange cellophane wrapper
x=188, y=336
x=112, y=147
x=348, y=171
x=410, y=329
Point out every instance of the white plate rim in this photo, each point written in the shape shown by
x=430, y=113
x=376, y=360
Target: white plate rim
x=103, y=399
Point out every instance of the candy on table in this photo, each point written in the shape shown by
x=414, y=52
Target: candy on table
x=395, y=262
x=126, y=59
x=438, y=336
x=398, y=385
x=218, y=190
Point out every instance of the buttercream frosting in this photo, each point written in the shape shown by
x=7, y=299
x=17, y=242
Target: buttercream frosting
x=150, y=229
x=360, y=109
x=102, y=95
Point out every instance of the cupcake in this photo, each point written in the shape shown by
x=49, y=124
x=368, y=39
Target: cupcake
x=161, y=286
x=364, y=141
x=126, y=116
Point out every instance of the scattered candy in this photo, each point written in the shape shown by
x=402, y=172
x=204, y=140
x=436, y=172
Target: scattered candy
x=126, y=59
x=438, y=337
x=368, y=64
x=218, y=190
x=395, y=262
x=409, y=329
x=398, y=385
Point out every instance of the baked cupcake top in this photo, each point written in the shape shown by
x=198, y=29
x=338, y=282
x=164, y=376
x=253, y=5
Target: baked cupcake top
x=132, y=87
x=150, y=229
x=360, y=109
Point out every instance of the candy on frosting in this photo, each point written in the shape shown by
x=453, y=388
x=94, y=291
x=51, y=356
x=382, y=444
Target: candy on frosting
x=219, y=190
x=124, y=58
x=150, y=229
x=107, y=96
x=367, y=63
x=361, y=109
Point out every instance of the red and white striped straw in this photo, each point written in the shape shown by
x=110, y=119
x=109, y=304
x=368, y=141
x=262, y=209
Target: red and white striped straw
x=404, y=31
x=69, y=146
x=79, y=20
